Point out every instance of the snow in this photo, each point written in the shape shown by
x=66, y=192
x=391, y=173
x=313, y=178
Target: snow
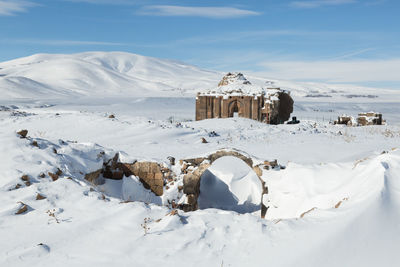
x=120, y=74
x=336, y=202
x=230, y=184
x=97, y=74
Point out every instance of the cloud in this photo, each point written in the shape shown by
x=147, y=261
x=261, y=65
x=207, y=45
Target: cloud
x=354, y=53
x=209, y=12
x=11, y=7
x=351, y=71
x=58, y=42
x=260, y=35
x=319, y=3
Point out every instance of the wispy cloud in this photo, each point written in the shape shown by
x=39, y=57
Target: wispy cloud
x=257, y=35
x=319, y=3
x=191, y=11
x=11, y=7
x=58, y=42
x=354, y=53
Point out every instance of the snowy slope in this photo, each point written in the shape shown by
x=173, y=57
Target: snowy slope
x=336, y=204
x=101, y=74
x=98, y=74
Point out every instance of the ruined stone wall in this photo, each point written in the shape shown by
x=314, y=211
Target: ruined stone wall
x=281, y=110
x=191, y=180
x=151, y=174
x=154, y=176
x=209, y=107
x=251, y=107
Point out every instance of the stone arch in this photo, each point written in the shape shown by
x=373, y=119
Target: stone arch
x=191, y=180
x=235, y=106
x=223, y=153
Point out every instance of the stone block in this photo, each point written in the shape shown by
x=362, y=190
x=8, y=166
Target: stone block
x=91, y=177
x=154, y=168
x=158, y=190
x=149, y=176
x=126, y=168
x=191, y=184
x=192, y=199
x=199, y=171
x=142, y=167
x=158, y=182
x=158, y=176
x=258, y=171
x=117, y=175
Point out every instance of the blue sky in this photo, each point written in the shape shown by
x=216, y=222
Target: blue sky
x=338, y=41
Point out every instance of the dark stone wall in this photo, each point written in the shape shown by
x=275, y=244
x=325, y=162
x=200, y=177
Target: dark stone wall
x=285, y=108
x=209, y=107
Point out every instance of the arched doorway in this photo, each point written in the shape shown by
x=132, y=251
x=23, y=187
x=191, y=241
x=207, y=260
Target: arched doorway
x=230, y=184
x=235, y=109
x=199, y=166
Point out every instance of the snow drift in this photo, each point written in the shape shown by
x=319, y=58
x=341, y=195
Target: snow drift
x=230, y=184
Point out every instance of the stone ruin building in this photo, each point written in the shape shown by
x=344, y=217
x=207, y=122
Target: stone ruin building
x=236, y=96
x=363, y=119
x=158, y=177
x=370, y=118
x=346, y=120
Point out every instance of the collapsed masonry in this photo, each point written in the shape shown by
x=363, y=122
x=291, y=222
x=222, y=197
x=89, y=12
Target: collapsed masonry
x=156, y=177
x=363, y=119
x=370, y=118
x=346, y=120
x=151, y=174
x=236, y=96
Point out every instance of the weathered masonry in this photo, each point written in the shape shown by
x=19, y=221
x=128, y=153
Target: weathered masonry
x=158, y=176
x=195, y=167
x=235, y=96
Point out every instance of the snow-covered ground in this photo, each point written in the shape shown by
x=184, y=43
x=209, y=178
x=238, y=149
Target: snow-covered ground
x=336, y=202
x=325, y=164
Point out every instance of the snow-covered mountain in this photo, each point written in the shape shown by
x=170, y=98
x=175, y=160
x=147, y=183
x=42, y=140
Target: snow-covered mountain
x=97, y=74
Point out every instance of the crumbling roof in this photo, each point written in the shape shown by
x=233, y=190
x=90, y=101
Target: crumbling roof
x=233, y=78
x=235, y=83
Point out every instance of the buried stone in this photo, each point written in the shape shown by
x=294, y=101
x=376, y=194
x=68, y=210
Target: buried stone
x=23, y=133
x=192, y=180
x=154, y=176
x=22, y=209
x=150, y=174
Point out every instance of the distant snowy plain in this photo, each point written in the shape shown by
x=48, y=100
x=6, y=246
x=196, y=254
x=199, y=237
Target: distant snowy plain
x=337, y=202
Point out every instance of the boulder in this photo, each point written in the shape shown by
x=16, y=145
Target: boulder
x=40, y=197
x=22, y=209
x=92, y=177
x=23, y=133
x=53, y=176
x=171, y=160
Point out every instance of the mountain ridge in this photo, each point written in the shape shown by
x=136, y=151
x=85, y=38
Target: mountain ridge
x=96, y=74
